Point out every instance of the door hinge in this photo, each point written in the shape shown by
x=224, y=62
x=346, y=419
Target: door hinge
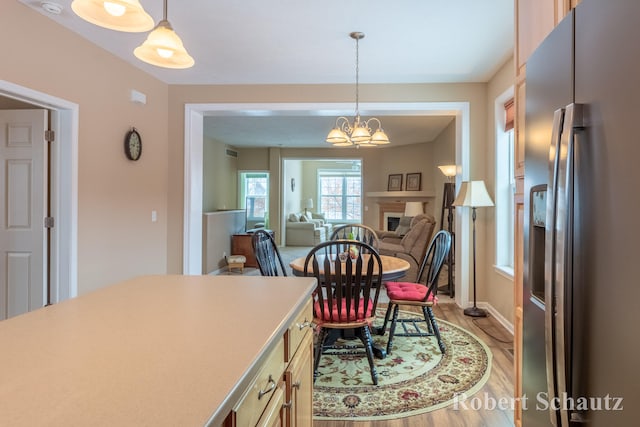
x=48, y=222
x=49, y=135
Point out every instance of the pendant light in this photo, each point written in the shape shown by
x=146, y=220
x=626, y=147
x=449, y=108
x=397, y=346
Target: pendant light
x=119, y=15
x=163, y=47
x=345, y=134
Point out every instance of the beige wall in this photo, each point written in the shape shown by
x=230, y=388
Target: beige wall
x=220, y=177
x=444, y=153
x=116, y=238
x=496, y=288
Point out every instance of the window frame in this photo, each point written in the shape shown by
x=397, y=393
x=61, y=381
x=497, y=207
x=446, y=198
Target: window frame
x=344, y=173
x=504, y=185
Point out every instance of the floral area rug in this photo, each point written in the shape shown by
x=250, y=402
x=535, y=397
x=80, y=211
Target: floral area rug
x=416, y=378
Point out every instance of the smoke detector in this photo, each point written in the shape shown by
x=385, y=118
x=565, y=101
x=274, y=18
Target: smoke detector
x=51, y=7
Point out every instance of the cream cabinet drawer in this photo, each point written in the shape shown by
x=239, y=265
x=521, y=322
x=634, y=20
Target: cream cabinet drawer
x=298, y=329
x=250, y=407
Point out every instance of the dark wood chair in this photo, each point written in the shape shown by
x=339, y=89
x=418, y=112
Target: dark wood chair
x=267, y=254
x=418, y=294
x=358, y=232
x=346, y=296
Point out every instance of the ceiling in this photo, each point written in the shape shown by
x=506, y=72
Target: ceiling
x=307, y=42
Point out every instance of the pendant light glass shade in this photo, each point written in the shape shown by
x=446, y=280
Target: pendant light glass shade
x=164, y=48
x=119, y=15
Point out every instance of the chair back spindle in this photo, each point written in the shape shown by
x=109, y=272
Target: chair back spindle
x=359, y=232
x=267, y=254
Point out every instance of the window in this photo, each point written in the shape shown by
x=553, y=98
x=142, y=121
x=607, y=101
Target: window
x=505, y=186
x=254, y=196
x=340, y=194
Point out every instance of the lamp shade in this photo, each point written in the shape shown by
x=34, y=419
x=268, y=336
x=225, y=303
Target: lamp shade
x=119, y=15
x=448, y=170
x=308, y=204
x=473, y=194
x=413, y=208
x=163, y=48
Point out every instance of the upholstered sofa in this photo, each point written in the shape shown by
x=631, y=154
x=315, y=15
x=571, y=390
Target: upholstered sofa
x=409, y=244
x=306, y=229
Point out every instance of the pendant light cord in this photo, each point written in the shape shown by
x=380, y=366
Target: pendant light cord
x=165, y=10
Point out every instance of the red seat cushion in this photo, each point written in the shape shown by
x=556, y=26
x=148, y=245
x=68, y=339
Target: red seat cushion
x=344, y=316
x=408, y=291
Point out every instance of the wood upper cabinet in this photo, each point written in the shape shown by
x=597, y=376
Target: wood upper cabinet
x=534, y=20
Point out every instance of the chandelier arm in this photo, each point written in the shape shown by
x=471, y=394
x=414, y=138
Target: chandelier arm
x=376, y=119
x=343, y=124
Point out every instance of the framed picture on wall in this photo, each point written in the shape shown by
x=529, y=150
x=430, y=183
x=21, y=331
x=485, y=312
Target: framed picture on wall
x=395, y=182
x=414, y=181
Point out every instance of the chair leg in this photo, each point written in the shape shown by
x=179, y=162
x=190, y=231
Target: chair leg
x=425, y=314
x=381, y=330
x=392, y=329
x=322, y=336
x=432, y=320
x=365, y=336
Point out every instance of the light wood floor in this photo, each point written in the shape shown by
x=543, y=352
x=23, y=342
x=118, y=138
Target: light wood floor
x=499, y=385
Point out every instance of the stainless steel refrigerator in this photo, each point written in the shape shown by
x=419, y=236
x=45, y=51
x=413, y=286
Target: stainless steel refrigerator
x=581, y=326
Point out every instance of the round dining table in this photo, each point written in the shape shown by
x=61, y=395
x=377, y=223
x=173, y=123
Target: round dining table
x=392, y=268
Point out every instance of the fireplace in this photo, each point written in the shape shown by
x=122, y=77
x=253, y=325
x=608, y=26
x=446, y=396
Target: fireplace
x=391, y=220
x=390, y=214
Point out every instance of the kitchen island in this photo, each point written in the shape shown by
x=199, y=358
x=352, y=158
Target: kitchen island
x=154, y=350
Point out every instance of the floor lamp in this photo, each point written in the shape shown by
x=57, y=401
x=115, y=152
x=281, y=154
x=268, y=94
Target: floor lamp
x=473, y=194
x=448, y=194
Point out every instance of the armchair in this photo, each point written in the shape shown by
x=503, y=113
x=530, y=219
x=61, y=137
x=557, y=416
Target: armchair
x=410, y=247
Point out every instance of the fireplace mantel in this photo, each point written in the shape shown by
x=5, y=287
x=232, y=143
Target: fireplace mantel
x=403, y=194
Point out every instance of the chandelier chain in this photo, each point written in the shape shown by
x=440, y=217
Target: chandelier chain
x=357, y=78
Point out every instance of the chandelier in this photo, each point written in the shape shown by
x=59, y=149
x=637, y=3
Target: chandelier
x=358, y=133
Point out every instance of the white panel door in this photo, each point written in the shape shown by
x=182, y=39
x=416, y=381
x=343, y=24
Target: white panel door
x=23, y=177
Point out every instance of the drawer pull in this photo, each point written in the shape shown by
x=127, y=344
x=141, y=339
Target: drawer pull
x=269, y=389
x=305, y=324
x=296, y=384
x=287, y=405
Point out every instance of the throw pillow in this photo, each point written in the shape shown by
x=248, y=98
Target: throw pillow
x=303, y=218
x=293, y=218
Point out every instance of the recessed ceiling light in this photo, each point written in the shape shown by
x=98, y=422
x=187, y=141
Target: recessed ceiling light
x=51, y=7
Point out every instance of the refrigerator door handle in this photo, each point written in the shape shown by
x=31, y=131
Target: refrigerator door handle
x=549, y=258
x=562, y=267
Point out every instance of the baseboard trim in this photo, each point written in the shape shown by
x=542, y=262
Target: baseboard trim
x=496, y=314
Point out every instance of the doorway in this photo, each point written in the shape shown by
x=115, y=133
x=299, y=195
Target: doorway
x=193, y=145
x=63, y=187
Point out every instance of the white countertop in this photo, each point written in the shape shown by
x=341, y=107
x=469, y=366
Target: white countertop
x=155, y=350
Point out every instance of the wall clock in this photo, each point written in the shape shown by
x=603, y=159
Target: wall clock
x=133, y=145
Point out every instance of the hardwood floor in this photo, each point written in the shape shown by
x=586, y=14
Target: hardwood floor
x=499, y=387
